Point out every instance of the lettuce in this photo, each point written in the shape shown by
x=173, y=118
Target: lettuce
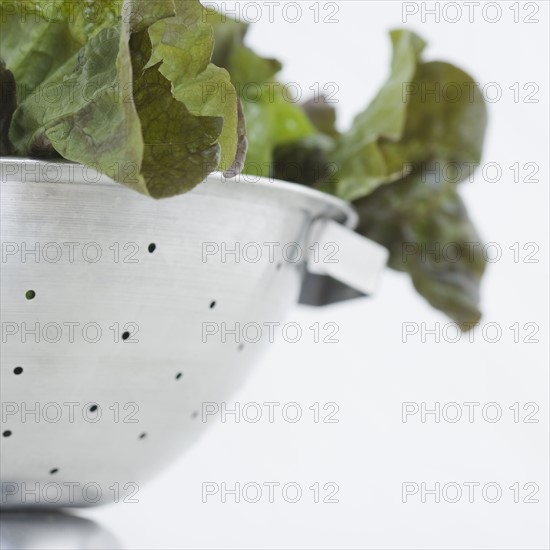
x=425, y=226
x=402, y=161
x=271, y=120
x=156, y=93
x=8, y=100
x=128, y=90
x=394, y=163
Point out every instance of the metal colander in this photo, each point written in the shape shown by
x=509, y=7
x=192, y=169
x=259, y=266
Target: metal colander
x=118, y=311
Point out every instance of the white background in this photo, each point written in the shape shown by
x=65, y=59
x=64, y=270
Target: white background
x=370, y=452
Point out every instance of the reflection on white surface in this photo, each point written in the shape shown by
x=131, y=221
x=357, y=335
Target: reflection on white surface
x=52, y=531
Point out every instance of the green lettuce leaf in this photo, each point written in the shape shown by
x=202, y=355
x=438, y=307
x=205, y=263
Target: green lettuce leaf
x=425, y=111
x=426, y=228
x=130, y=100
x=271, y=119
x=92, y=121
x=36, y=43
x=161, y=116
x=448, y=125
x=396, y=162
x=359, y=154
x=184, y=45
x=271, y=122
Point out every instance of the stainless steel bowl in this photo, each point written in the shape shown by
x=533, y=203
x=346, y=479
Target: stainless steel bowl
x=117, y=315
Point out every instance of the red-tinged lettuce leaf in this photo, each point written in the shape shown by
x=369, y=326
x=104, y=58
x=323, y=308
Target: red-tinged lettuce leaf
x=358, y=154
x=446, y=120
x=8, y=104
x=307, y=161
x=180, y=149
x=424, y=111
x=242, y=144
x=425, y=126
x=271, y=118
x=323, y=115
x=93, y=122
x=425, y=226
x=183, y=45
x=116, y=110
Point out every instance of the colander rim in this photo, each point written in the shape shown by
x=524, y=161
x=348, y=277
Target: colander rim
x=351, y=216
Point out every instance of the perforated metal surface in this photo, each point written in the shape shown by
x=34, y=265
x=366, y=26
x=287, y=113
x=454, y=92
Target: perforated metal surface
x=135, y=386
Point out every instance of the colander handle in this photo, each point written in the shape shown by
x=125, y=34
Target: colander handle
x=341, y=265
